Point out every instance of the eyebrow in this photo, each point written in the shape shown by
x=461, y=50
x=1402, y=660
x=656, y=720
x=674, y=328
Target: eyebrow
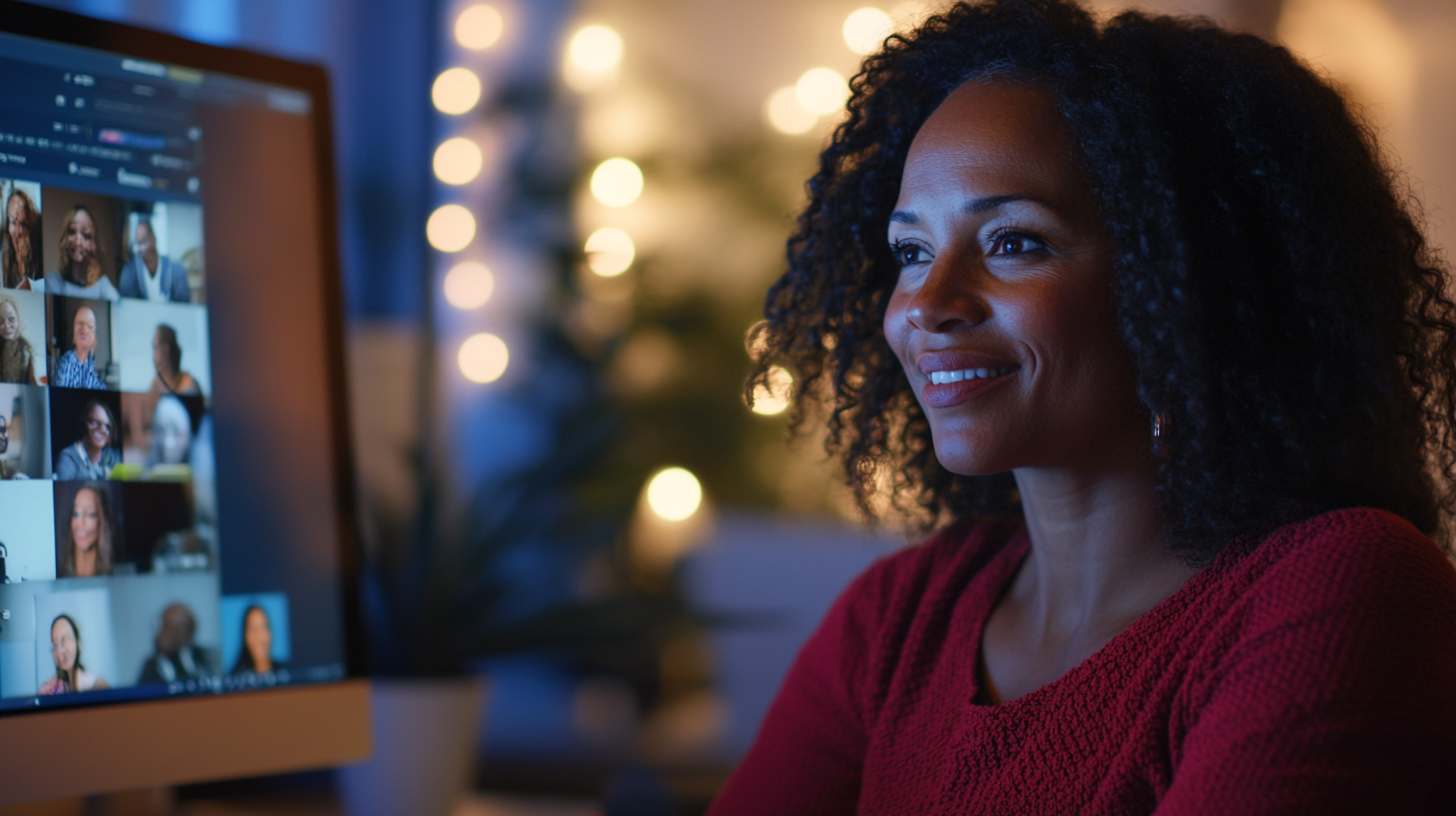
x=975, y=206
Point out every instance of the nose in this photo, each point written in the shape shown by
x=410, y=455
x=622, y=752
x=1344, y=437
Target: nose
x=951, y=297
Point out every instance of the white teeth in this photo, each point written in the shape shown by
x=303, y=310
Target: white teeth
x=943, y=377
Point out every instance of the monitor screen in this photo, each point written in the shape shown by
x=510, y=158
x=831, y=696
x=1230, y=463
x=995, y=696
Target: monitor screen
x=172, y=514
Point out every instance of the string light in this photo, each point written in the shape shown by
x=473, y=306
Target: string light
x=674, y=494
x=469, y=285
x=483, y=358
x=592, y=57
x=479, y=27
x=451, y=228
x=458, y=161
x=865, y=30
x=617, y=182
x=821, y=91
x=610, y=251
x=456, y=91
x=786, y=115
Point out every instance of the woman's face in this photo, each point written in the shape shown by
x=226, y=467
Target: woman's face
x=98, y=428
x=15, y=220
x=1003, y=316
x=258, y=636
x=9, y=321
x=86, y=520
x=64, y=647
x=83, y=331
x=81, y=238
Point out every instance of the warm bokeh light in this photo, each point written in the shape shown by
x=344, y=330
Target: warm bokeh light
x=609, y=251
x=595, y=49
x=451, y=228
x=777, y=395
x=821, y=91
x=468, y=285
x=1361, y=46
x=674, y=494
x=458, y=161
x=786, y=115
x=616, y=182
x=456, y=91
x=479, y=27
x=866, y=29
x=483, y=358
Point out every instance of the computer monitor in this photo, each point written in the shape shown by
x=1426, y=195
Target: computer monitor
x=176, y=513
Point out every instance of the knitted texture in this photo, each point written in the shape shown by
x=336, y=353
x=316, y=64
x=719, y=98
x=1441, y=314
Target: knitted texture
x=1311, y=672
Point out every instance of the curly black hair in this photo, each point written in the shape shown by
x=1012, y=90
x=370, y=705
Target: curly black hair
x=1283, y=310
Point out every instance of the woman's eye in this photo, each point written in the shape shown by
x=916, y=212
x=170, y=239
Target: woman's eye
x=909, y=254
x=1015, y=243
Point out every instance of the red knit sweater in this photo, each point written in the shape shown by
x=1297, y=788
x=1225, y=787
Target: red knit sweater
x=1314, y=672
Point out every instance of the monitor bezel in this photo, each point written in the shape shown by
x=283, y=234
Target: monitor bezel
x=67, y=28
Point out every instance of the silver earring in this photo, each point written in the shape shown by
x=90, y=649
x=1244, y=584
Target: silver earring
x=1160, y=435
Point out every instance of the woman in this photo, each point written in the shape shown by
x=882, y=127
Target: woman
x=93, y=455
x=1136, y=312
x=167, y=359
x=20, y=243
x=17, y=357
x=70, y=674
x=83, y=263
x=86, y=539
x=256, y=656
x=77, y=367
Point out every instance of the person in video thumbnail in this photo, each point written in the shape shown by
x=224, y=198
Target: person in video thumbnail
x=86, y=539
x=19, y=249
x=167, y=358
x=70, y=674
x=83, y=270
x=6, y=470
x=152, y=276
x=257, y=652
x=17, y=357
x=93, y=455
x=171, y=433
x=176, y=657
x=77, y=368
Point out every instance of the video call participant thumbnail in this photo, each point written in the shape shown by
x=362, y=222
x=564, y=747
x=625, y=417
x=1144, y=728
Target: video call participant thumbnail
x=87, y=531
x=176, y=657
x=150, y=275
x=167, y=358
x=94, y=455
x=20, y=241
x=71, y=674
x=161, y=531
x=76, y=368
x=256, y=656
x=17, y=355
x=7, y=470
x=82, y=263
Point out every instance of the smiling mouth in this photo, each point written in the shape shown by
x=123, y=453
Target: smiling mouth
x=944, y=377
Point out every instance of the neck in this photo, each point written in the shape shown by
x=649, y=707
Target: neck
x=83, y=354
x=86, y=562
x=1098, y=548
x=151, y=264
x=263, y=664
x=92, y=453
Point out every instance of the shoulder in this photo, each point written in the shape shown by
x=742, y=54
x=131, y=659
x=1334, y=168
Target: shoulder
x=1357, y=555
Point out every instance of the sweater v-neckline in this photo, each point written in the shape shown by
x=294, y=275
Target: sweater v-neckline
x=1001, y=570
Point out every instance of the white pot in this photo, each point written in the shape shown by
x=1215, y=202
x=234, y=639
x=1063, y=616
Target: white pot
x=425, y=733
